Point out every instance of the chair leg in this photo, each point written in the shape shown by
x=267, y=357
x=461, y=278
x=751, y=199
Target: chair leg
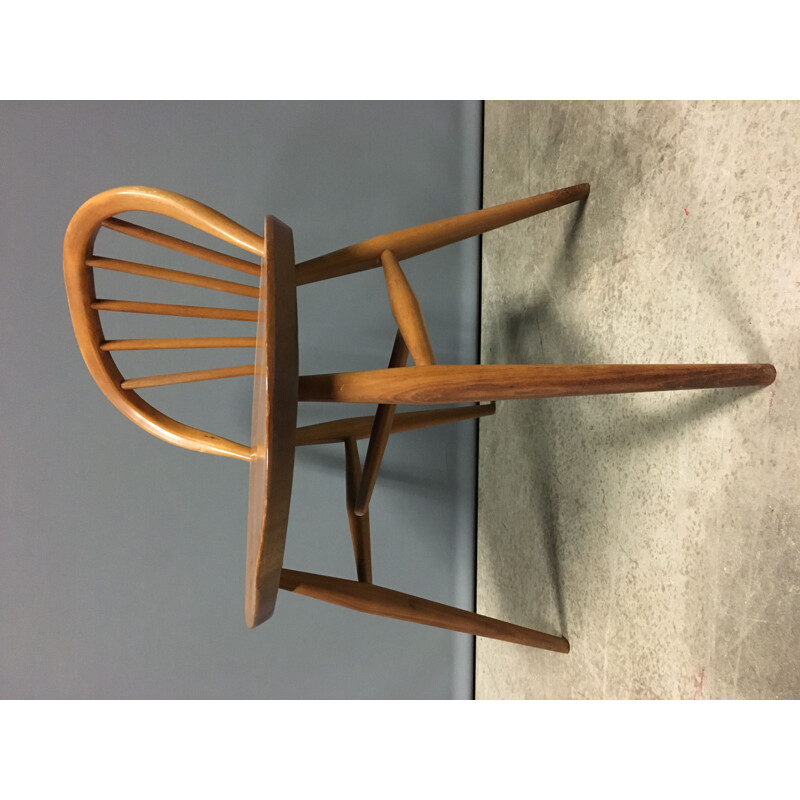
x=406, y=311
x=379, y=435
x=359, y=524
x=465, y=384
x=389, y=603
x=422, y=238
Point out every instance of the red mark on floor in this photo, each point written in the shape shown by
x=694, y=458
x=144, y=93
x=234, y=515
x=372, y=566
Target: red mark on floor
x=699, y=682
x=771, y=398
x=686, y=212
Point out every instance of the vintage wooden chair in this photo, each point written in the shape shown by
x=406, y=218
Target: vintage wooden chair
x=278, y=386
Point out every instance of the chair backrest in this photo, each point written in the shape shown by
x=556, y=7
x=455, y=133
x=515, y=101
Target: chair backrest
x=80, y=261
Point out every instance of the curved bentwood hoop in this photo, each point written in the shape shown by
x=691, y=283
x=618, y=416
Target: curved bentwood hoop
x=79, y=264
x=278, y=387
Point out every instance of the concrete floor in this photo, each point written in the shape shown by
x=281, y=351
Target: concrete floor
x=659, y=532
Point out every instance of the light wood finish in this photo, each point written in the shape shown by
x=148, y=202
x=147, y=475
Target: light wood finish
x=277, y=388
x=273, y=423
x=406, y=311
x=379, y=436
x=188, y=377
x=179, y=344
x=397, y=605
x=359, y=524
x=173, y=310
x=84, y=307
x=453, y=384
x=360, y=427
x=176, y=276
x=422, y=238
x=188, y=248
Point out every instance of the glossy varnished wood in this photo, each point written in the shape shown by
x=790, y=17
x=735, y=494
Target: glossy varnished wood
x=451, y=384
x=189, y=343
x=379, y=436
x=406, y=311
x=187, y=248
x=85, y=309
x=174, y=310
x=274, y=420
x=173, y=275
x=389, y=603
x=173, y=378
x=422, y=238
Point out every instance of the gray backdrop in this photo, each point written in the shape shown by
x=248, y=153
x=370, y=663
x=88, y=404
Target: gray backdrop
x=122, y=557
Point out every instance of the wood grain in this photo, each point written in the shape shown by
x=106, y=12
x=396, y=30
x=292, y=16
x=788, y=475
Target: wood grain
x=450, y=384
x=388, y=603
x=422, y=238
x=274, y=421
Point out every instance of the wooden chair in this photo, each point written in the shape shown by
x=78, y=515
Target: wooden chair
x=278, y=386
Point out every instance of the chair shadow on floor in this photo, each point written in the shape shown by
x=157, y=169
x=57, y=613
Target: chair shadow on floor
x=550, y=425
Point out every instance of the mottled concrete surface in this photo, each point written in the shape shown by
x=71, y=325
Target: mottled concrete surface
x=659, y=532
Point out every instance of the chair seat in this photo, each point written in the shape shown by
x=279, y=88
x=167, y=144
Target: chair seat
x=274, y=422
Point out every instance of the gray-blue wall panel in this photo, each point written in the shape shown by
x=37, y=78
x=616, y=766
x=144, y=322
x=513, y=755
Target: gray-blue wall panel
x=121, y=557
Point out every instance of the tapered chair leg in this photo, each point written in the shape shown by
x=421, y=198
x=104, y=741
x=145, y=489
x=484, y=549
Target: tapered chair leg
x=379, y=436
x=422, y=238
x=389, y=603
x=454, y=384
x=406, y=311
x=359, y=524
